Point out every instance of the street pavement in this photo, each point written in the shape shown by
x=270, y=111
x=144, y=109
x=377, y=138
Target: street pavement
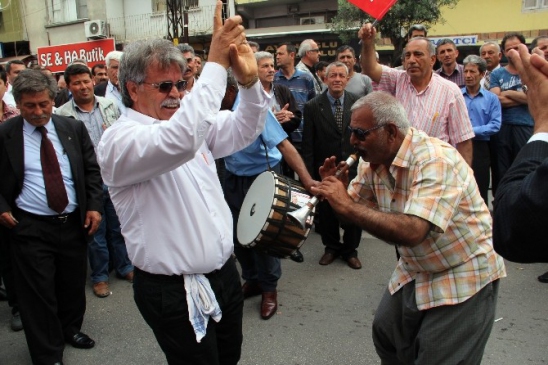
x=324, y=317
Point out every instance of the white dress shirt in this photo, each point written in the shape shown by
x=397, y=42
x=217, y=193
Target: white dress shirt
x=163, y=181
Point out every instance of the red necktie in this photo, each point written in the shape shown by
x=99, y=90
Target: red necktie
x=53, y=180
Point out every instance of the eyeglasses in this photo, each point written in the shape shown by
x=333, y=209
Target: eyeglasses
x=314, y=50
x=167, y=86
x=362, y=134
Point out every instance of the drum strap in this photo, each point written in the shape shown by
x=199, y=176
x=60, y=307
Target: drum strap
x=266, y=152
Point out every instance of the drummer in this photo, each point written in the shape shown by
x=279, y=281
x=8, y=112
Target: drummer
x=260, y=271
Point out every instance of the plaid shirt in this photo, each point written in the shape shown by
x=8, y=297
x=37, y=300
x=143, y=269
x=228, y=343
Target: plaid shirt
x=456, y=77
x=439, y=110
x=430, y=180
x=9, y=112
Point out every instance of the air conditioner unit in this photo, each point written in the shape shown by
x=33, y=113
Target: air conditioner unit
x=95, y=29
x=313, y=20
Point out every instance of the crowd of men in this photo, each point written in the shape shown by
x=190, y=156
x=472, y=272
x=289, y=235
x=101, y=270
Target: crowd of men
x=120, y=165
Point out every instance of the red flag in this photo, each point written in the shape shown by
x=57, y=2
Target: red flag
x=375, y=8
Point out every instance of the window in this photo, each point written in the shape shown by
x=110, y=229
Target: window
x=63, y=11
x=535, y=4
x=161, y=5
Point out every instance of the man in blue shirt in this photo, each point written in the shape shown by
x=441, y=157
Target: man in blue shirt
x=517, y=123
x=260, y=271
x=485, y=114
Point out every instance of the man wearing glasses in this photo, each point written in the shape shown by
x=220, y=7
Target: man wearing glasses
x=310, y=56
x=326, y=134
x=159, y=163
x=417, y=193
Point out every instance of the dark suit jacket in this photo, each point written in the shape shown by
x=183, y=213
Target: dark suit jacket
x=100, y=89
x=322, y=138
x=75, y=140
x=283, y=96
x=62, y=97
x=521, y=207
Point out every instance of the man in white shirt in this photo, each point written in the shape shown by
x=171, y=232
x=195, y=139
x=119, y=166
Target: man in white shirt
x=159, y=163
x=13, y=68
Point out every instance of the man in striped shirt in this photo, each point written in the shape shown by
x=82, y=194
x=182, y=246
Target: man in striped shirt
x=417, y=193
x=433, y=104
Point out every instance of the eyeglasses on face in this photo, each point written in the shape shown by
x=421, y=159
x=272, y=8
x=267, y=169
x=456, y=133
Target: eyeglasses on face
x=314, y=50
x=166, y=86
x=362, y=134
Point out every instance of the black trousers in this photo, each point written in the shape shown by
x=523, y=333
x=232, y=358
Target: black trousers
x=331, y=237
x=49, y=264
x=481, y=163
x=6, y=269
x=161, y=299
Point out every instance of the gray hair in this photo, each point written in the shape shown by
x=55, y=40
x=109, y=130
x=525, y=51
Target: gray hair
x=186, y=48
x=304, y=47
x=445, y=41
x=230, y=79
x=261, y=54
x=139, y=56
x=495, y=44
x=430, y=46
x=336, y=64
x=113, y=55
x=475, y=60
x=32, y=81
x=385, y=109
x=254, y=44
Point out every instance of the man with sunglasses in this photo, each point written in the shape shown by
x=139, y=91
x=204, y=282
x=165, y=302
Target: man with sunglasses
x=98, y=114
x=310, y=56
x=326, y=134
x=159, y=163
x=417, y=193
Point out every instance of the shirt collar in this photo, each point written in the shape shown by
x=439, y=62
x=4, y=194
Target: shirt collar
x=29, y=128
x=332, y=99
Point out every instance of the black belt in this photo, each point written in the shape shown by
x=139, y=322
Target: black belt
x=60, y=219
x=179, y=278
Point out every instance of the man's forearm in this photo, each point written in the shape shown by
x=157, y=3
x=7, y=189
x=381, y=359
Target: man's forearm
x=466, y=150
x=369, y=64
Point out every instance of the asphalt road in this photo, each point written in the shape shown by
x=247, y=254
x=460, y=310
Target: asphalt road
x=324, y=317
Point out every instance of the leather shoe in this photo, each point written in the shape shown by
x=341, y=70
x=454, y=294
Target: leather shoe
x=101, y=289
x=327, y=258
x=269, y=304
x=129, y=276
x=251, y=290
x=543, y=278
x=297, y=256
x=81, y=341
x=354, y=263
x=15, y=322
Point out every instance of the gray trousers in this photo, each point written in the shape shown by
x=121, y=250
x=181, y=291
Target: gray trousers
x=451, y=334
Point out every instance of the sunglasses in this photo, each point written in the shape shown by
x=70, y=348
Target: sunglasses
x=167, y=86
x=362, y=134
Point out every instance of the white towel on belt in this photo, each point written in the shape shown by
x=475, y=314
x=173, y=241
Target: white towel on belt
x=201, y=302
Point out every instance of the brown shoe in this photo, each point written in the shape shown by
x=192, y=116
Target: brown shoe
x=129, y=276
x=269, y=304
x=101, y=289
x=354, y=263
x=327, y=258
x=251, y=290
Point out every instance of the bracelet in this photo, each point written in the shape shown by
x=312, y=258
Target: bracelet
x=250, y=83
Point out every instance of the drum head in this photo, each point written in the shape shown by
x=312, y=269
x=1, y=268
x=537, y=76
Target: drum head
x=256, y=208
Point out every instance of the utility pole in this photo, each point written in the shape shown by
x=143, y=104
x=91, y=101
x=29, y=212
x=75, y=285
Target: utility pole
x=175, y=21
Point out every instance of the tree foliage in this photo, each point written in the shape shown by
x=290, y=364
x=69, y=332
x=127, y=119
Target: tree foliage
x=394, y=24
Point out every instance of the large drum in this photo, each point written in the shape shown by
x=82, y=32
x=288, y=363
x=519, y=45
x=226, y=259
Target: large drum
x=263, y=221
